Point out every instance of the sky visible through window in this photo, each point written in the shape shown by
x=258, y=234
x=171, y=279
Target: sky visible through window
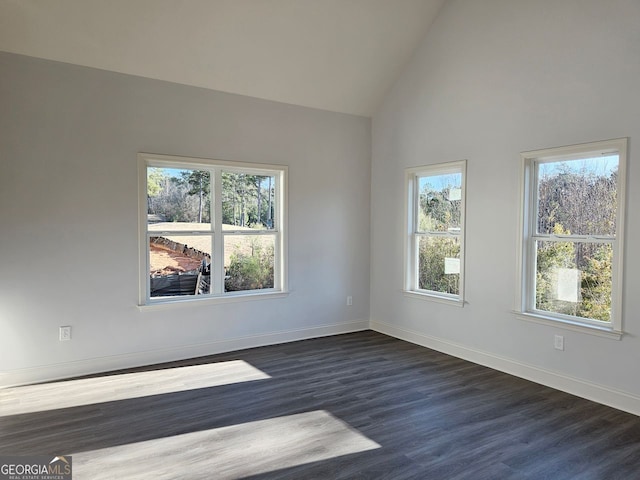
x=177, y=173
x=603, y=166
x=441, y=183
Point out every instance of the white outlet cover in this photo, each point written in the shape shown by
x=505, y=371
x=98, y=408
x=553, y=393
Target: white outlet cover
x=65, y=333
x=558, y=342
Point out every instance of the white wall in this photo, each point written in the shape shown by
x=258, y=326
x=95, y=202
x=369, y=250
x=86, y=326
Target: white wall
x=492, y=79
x=69, y=229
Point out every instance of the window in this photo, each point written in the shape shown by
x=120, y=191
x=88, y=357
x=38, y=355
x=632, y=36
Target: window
x=210, y=229
x=573, y=216
x=434, y=265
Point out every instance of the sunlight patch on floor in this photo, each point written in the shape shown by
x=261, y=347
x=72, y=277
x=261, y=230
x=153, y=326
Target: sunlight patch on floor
x=87, y=391
x=235, y=451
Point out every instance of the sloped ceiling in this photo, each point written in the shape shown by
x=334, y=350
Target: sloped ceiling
x=338, y=55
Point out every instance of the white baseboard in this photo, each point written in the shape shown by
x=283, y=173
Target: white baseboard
x=45, y=373
x=581, y=388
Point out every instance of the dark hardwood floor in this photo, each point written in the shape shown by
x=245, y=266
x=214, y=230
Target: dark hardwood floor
x=356, y=406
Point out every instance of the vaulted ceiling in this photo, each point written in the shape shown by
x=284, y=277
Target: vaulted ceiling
x=338, y=55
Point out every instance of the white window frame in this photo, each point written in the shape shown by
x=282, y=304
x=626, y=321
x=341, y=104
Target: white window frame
x=412, y=234
x=525, y=294
x=217, y=234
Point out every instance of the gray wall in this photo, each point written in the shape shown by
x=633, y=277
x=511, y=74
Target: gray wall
x=492, y=79
x=69, y=137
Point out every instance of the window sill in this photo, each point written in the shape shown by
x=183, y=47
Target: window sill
x=454, y=301
x=211, y=300
x=569, y=325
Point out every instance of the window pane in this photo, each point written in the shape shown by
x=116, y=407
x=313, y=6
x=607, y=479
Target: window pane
x=248, y=201
x=248, y=262
x=179, y=265
x=574, y=278
x=439, y=264
x=440, y=198
x=179, y=196
x=578, y=197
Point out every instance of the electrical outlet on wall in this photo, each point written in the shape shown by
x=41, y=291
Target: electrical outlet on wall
x=558, y=342
x=349, y=300
x=65, y=333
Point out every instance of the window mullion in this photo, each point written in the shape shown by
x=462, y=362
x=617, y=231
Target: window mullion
x=217, y=261
x=573, y=239
x=440, y=234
